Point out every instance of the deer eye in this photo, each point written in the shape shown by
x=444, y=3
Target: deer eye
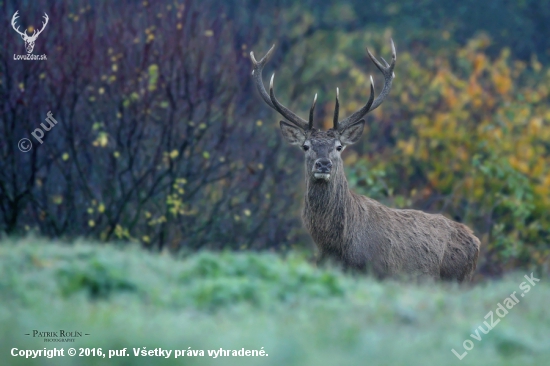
x=339, y=148
x=305, y=147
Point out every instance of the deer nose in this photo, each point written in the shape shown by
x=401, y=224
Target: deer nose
x=323, y=165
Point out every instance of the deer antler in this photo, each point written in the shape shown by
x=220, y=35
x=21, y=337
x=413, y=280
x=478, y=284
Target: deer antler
x=24, y=34
x=387, y=71
x=34, y=36
x=13, y=18
x=270, y=98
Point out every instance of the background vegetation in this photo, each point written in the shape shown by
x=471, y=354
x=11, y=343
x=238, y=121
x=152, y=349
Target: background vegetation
x=163, y=140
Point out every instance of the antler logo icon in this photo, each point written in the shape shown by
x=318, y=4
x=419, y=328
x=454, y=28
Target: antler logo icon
x=29, y=40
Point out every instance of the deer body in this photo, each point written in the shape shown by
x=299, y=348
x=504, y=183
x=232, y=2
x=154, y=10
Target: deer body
x=359, y=232
x=363, y=234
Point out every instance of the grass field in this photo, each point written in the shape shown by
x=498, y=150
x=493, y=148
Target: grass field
x=125, y=297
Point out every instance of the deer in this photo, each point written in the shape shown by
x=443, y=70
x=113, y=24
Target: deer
x=355, y=231
x=29, y=40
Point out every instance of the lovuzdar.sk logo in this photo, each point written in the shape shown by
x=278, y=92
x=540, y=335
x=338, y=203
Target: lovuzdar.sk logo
x=57, y=336
x=29, y=40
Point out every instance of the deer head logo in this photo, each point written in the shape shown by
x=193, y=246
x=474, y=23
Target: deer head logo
x=29, y=40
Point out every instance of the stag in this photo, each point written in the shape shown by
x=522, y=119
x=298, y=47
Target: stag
x=354, y=230
x=29, y=40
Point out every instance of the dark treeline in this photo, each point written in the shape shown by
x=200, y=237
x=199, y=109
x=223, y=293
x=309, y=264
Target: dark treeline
x=162, y=139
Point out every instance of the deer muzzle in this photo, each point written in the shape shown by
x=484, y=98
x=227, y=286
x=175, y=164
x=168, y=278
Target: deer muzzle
x=322, y=168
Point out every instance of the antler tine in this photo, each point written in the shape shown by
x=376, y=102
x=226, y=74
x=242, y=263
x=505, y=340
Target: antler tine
x=358, y=115
x=387, y=71
x=284, y=111
x=310, y=125
x=336, y=110
x=270, y=98
x=43, y=24
x=13, y=19
x=257, y=73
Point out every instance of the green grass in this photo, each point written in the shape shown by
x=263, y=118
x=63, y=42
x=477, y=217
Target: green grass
x=299, y=314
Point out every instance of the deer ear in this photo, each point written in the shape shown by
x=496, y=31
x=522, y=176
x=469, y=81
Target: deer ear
x=352, y=133
x=293, y=135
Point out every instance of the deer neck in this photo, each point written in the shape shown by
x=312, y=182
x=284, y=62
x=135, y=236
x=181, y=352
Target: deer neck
x=326, y=203
x=323, y=195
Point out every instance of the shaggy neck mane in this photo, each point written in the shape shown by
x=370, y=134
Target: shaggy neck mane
x=323, y=196
x=327, y=207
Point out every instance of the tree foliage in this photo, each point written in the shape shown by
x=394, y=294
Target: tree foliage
x=162, y=138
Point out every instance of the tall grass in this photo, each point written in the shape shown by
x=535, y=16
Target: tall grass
x=125, y=297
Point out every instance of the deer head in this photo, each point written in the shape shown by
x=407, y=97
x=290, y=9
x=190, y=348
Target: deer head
x=322, y=148
x=29, y=40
